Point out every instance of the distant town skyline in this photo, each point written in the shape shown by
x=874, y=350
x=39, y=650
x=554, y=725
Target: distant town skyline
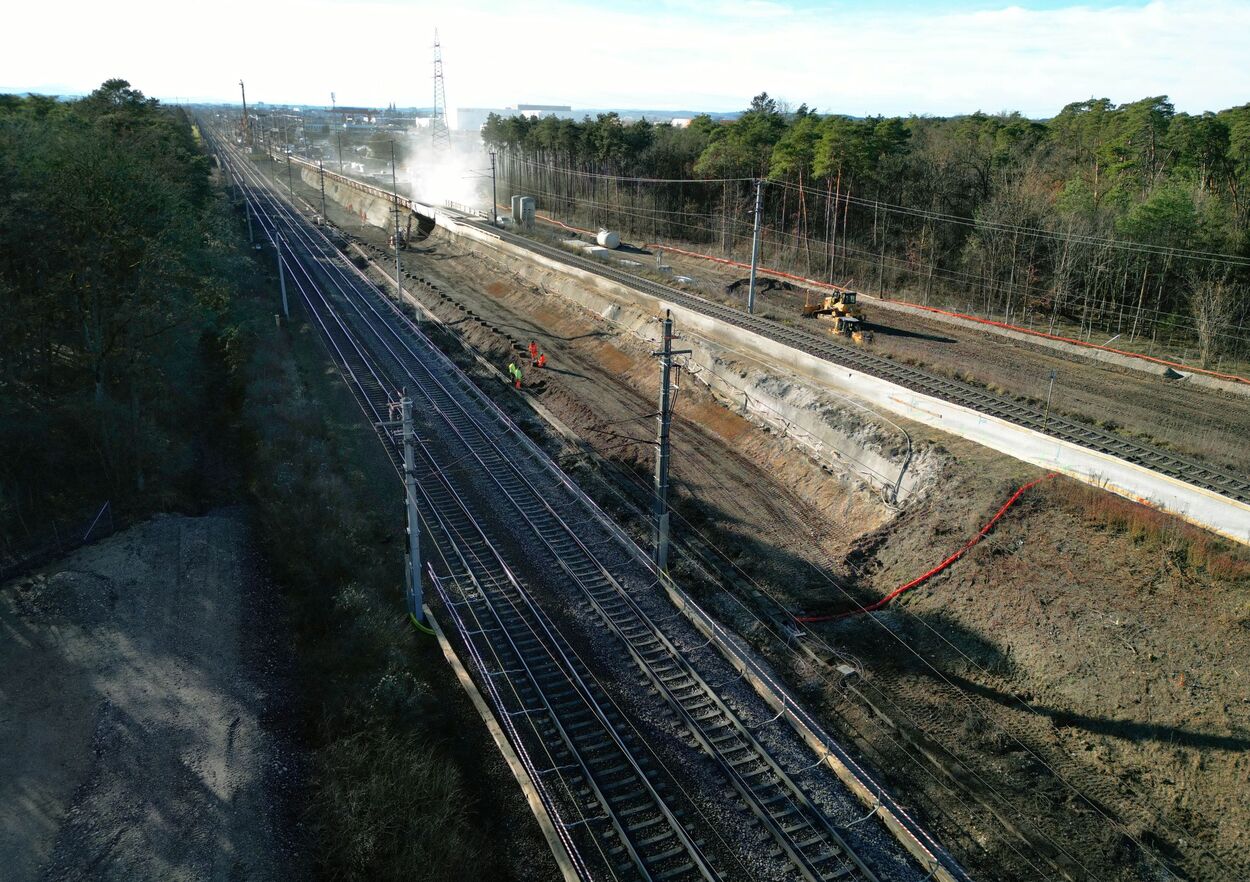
x=859, y=58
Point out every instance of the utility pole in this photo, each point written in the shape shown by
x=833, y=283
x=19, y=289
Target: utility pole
x=340, y=134
x=321, y=171
x=290, y=186
x=660, y=501
x=494, y=201
x=246, y=127
x=1049, y=392
x=399, y=286
x=755, y=244
x=416, y=607
x=277, y=247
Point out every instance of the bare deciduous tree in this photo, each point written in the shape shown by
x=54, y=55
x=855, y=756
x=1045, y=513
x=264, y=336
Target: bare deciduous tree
x=1213, y=304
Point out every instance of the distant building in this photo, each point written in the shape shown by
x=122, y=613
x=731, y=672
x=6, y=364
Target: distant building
x=471, y=119
x=680, y=122
x=543, y=109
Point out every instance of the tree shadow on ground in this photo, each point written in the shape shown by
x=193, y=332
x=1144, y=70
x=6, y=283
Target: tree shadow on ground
x=887, y=331
x=1129, y=730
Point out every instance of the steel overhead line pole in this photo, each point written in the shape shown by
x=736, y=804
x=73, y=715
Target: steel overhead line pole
x=1049, y=393
x=755, y=244
x=664, y=419
x=399, y=286
x=416, y=607
x=277, y=247
x=413, y=589
x=494, y=200
x=246, y=127
x=321, y=172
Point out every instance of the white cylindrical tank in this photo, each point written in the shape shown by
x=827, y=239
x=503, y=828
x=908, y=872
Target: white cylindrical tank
x=608, y=239
x=528, y=210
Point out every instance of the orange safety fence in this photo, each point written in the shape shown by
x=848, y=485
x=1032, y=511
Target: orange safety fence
x=1163, y=361
x=920, y=580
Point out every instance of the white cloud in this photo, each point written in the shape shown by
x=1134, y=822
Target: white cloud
x=694, y=54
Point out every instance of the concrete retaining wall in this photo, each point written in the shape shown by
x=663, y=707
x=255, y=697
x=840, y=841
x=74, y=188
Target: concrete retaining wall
x=370, y=209
x=1198, y=506
x=620, y=303
x=840, y=433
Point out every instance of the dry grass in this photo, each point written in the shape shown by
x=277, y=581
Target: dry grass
x=1155, y=529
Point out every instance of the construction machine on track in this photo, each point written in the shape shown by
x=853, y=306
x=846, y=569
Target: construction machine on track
x=847, y=315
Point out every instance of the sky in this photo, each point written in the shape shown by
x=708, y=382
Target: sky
x=936, y=57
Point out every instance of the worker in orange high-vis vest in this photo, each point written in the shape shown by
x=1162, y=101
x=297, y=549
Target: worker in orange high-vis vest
x=533, y=352
x=542, y=359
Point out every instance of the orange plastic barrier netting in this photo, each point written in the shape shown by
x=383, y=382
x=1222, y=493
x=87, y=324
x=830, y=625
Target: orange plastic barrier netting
x=920, y=580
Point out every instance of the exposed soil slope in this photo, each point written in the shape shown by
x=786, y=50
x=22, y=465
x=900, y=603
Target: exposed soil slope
x=1043, y=713
x=135, y=739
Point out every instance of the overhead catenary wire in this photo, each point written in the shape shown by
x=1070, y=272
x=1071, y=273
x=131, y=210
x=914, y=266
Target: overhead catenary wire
x=646, y=489
x=572, y=798
x=903, y=264
x=989, y=787
x=929, y=214
x=1038, y=232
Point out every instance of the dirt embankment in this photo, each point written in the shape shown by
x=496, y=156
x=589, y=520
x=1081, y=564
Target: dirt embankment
x=601, y=382
x=1086, y=661
x=137, y=738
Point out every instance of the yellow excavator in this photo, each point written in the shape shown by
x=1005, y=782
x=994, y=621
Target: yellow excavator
x=846, y=313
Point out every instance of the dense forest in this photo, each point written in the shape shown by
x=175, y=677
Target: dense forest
x=115, y=276
x=1129, y=220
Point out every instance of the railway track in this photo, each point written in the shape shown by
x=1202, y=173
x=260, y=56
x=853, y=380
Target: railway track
x=1158, y=460
x=562, y=726
x=619, y=801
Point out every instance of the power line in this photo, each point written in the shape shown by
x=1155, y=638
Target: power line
x=622, y=178
x=928, y=214
x=1037, y=232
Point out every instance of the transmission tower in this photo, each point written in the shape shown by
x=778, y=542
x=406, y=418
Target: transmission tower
x=439, y=132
